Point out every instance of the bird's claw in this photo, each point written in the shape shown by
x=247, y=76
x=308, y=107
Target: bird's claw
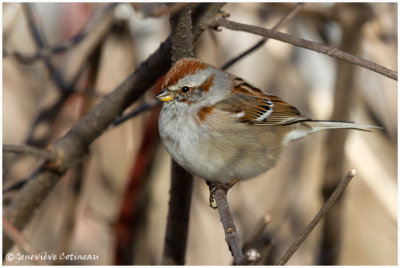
x=214, y=186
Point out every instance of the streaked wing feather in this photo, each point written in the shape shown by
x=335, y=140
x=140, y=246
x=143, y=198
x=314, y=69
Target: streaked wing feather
x=252, y=106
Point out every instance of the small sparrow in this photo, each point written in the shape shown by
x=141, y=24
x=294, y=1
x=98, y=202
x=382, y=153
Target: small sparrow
x=223, y=129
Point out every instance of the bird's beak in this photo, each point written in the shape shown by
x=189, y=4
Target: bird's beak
x=164, y=96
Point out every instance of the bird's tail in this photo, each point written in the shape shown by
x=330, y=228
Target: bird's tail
x=310, y=126
x=318, y=125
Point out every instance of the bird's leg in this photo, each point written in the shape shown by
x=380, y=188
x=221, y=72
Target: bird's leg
x=214, y=186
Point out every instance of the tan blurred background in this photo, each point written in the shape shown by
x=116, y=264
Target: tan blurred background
x=290, y=193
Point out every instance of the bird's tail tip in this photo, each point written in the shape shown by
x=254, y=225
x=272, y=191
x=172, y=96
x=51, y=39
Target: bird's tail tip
x=329, y=124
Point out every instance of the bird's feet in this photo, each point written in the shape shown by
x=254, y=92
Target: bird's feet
x=214, y=186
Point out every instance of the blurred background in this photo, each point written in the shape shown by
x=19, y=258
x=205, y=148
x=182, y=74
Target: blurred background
x=115, y=203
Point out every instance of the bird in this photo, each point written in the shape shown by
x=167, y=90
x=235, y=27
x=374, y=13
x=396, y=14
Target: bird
x=222, y=128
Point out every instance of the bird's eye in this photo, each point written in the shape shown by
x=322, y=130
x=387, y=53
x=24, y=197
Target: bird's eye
x=185, y=89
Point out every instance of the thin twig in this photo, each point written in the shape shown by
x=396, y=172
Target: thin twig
x=26, y=149
x=288, y=16
x=310, y=227
x=327, y=50
x=41, y=44
x=45, y=52
x=142, y=108
x=21, y=242
x=22, y=182
x=231, y=235
x=75, y=68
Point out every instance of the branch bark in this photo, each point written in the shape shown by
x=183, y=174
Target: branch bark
x=231, y=235
x=29, y=150
x=61, y=47
x=288, y=16
x=181, y=180
x=327, y=50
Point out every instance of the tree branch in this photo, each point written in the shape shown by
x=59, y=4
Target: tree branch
x=288, y=16
x=26, y=149
x=142, y=108
x=41, y=44
x=181, y=180
x=327, y=50
x=63, y=46
x=88, y=48
x=324, y=210
x=231, y=235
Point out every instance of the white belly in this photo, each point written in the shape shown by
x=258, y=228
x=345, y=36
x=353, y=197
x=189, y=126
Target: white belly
x=213, y=155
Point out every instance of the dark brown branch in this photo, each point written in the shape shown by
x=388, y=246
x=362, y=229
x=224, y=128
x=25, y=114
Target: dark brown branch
x=327, y=50
x=20, y=241
x=30, y=150
x=85, y=131
x=288, y=16
x=181, y=180
x=178, y=216
x=310, y=227
x=181, y=33
x=231, y=235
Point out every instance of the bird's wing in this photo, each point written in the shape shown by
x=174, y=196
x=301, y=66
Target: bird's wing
x=251, y=105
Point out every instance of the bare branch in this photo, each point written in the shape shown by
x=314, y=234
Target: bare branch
x=41, y=44
x=231, y=235
x=327, y=50
x=288, y=16
x=26, y=149
x=181, y=180
x=45, y=52
x=310, y=227
x=89, y=48
x=142, y=108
